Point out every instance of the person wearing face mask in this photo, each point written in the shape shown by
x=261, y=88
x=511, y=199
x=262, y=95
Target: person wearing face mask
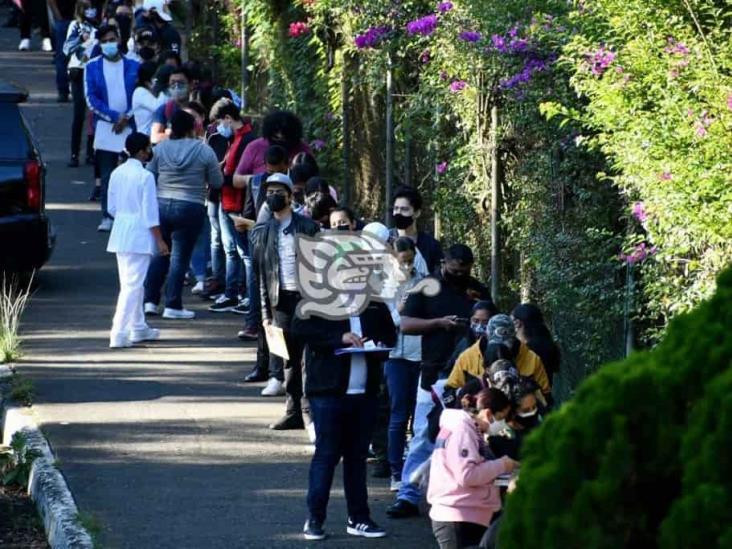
x=135, y=238
x=78, y=47
x=179, y=86
x=442, y=320
x=184, y=165
x=63, y=14
x=532, y=330
x=462, y=490
x=342, y=218
x=275, y=265
x=145, y=46
x=119, y=14
x=144, y=101
x=281, y=128
x=158, y=18
x=109, y=83
x=407, y=207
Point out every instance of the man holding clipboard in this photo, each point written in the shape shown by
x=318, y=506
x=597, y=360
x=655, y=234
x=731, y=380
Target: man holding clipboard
x=343, y=364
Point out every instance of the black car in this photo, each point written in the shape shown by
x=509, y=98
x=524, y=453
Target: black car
x=26, y=234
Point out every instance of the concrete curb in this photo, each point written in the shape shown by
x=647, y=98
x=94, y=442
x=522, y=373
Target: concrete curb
x=47, y=486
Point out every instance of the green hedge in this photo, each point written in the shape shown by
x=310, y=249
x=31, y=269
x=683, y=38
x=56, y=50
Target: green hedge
x=642, y=457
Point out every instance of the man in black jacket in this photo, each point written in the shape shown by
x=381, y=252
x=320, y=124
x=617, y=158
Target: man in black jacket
x=275, y=263
x=342, y=391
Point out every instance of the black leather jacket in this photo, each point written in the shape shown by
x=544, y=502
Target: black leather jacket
x=266, y=260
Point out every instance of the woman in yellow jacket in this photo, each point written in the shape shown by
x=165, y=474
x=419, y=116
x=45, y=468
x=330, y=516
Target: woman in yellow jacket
x=500, y=342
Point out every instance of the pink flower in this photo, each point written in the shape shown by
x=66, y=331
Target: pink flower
x=318, y=145
x=601, y=60
x=729, y=101
x=297, y=29
x=639, y=212
x=458, y=86
x=701, y=131
x=665, y=176
x=639, y=254
x=441, y=167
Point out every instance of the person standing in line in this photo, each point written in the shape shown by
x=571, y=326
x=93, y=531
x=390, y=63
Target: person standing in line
x=109, y=83
x=342, y=391
x=179, y=90
x=63, y=14
x=30, y=10
x=144, y=102
x=158, y=18
x=78, y=48
x=183, y=166
x=135, y=238
x=406, y=211
x=275, y=263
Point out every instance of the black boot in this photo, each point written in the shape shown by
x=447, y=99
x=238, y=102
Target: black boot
x=74, y=161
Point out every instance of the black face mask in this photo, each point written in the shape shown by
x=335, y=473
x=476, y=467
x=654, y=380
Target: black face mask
x=276, y=202
x=146, y=53
x=456, y=281
x=403, y=221
x=125, y=25
x=343, y=228
x=299, y=197
x=529, y=422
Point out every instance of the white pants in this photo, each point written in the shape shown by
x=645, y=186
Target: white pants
x=129, y=316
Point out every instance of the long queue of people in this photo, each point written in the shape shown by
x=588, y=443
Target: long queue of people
x=192, y=193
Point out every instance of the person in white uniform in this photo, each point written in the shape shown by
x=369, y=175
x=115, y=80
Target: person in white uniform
x=135, y=238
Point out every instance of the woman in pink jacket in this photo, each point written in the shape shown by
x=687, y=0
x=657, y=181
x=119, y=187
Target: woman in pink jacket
x=461, y=486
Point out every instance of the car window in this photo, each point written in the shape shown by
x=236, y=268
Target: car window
x=13, y=139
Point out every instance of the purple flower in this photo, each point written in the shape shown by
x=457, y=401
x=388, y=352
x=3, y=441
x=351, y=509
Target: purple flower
x=424, y=25
x=457, y=86
x=470, y=36
x=441, y=167
x=318, y=145
x=444, y=7
x=676, y=48
x=518, y=45
x=639, y=212
x=499, y=42
x=371, y=38
x=424, y=57
x=729, y=101
x=443, y=75
x=532, y=66
x=329, y=116
x=639, y=254
x=601, y=60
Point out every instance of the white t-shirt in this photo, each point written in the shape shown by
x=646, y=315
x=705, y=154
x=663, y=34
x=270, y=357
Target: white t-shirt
x=288, y=257
x=114, y=77
x=357, y=378
x=144, y=105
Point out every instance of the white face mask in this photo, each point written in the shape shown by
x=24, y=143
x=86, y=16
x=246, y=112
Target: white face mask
x=497, y=427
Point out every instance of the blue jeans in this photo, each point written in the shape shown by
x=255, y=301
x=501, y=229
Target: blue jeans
x=199, y=258
x=343, y=429
x=401, y=377
x=217, y=248
x=235, y=250
x=420, y=448
x=60, y=28
x=180, y=224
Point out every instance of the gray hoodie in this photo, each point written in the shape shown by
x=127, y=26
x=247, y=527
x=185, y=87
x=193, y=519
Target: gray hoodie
x=183, y=167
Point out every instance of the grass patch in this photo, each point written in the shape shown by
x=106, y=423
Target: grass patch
x=92, y=525
x=13, y=300
x=22, y=390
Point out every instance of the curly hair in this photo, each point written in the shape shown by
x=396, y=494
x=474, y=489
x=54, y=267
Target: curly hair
x=285, y=123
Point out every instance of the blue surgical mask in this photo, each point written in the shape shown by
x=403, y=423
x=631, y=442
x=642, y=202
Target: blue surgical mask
x=90, y=13
x=224, y=131
x=478, y=329
x=110, y=49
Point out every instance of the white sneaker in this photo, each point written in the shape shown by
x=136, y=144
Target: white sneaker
x=148, y=334
x=46, y=45
x=24, y=44
x=198, y=288
x=151, y=309
x=178, y=314
x=310, y=428
x=105, y=226
x=119, y=341
x=274, y=388
x=395, y=485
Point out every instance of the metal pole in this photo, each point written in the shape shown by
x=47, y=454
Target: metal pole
x=346, y=127
x=389, y=140
x=244, y=59
x=495, y=189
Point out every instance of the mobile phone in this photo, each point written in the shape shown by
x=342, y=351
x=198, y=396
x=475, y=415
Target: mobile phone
x=463, y=321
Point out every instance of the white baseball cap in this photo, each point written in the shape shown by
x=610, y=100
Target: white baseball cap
x=160, y=8
x=378, y=231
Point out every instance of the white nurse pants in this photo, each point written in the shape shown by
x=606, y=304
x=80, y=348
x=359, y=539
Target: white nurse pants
x=129, y=316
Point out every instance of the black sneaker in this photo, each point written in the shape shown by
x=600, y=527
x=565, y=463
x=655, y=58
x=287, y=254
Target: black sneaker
x=402, y=509
x=223, y=305
x=313, y=530
x=365, y=529
x=242, y=308
x=73, y=161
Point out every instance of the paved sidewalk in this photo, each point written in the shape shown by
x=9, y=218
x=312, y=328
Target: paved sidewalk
x=162, y=444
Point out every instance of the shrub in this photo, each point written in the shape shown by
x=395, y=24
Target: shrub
x=637, y=459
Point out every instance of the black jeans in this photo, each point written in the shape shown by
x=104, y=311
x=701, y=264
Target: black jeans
x=76, y=78
x=343, y=429
x=284, y=314
x=456, y=535
x=107, y=161
x=34, y=9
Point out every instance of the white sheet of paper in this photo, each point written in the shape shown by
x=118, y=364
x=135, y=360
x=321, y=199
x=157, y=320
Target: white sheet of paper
x=276, y=341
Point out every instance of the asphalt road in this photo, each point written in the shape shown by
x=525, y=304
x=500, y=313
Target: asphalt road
x=162, y=444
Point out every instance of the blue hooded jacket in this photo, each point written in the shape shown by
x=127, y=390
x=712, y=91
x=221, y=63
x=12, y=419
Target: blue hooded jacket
x=95, y=89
